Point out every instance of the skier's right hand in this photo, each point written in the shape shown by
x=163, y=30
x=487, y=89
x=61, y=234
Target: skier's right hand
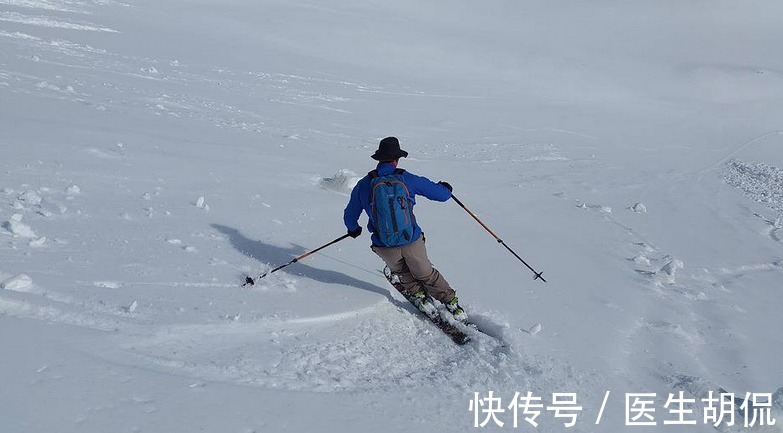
x=355, y=233
x=446, y=184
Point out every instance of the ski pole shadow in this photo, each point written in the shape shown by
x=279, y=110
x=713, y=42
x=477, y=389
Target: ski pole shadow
x=267, y=254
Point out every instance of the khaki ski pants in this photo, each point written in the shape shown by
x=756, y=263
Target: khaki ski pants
x=411, y=264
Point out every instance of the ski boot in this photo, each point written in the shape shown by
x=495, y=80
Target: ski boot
x=454, y=308
x=424, y=303
x=420, y=298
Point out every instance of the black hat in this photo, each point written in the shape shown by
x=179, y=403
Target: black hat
x=389, y=150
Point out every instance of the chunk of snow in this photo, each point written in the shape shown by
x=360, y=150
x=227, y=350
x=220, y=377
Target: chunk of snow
x=18, y=228
x=73, y=190
x=639, y=208
x=202, y=203
x=30, y=197
x=343, y=181
x=641, y=259
x=38, y=243
x=19, y=283
x=535, y=329
x=669, y=270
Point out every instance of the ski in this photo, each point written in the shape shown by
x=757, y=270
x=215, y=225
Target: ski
x=431, y=312
x=434, y=315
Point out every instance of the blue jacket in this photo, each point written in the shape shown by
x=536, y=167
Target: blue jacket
x=360, y=199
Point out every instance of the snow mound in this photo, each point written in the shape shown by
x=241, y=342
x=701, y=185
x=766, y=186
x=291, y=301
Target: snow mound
x=667, y=273
x=73, y=190
x=38, y=243
x=758, y=181
x=639, y=208
x=342, y=182
x=18, y=283
x=201, y=203
x=30, y=197
x=641, y=259
x=16, y=227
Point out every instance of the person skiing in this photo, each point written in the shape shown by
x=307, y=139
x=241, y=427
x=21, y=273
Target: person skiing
x=387, y=195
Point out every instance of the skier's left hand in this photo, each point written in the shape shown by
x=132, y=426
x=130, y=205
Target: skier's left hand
x=446, y=184
x=355, y=233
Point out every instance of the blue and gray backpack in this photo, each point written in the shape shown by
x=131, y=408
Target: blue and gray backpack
x=391, y=208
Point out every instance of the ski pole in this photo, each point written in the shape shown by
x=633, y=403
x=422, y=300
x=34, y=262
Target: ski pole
x=251, y=282
x=500, y=241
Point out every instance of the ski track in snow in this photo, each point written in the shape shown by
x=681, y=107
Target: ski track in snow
x=59, y=6
x=160, y=86
x=774, y=227
x=374, y=348
x=668, y=281
x=492, y=152
x=14, y=17
x=380, y=347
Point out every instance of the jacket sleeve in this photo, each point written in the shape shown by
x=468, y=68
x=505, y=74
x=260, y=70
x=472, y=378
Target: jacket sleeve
x=423, y=186
x=353, y=210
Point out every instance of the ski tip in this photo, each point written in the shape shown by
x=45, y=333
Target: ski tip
x=539, y=275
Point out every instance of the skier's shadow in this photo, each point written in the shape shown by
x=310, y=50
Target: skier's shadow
x=270, y=254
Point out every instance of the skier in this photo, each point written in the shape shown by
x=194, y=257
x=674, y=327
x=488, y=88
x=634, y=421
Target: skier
x=387, y=194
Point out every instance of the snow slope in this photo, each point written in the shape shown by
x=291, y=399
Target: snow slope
x=155, y=152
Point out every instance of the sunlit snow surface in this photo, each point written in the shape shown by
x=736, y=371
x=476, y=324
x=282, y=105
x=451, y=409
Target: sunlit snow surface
x=154, y=153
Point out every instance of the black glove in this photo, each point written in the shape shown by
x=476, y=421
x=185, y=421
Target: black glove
x=355, y=233
x=446, y=184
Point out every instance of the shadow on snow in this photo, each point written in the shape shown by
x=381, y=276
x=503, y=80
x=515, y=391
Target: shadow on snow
x=266, y=254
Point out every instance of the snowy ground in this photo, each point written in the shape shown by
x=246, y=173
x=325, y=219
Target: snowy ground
x=154, y=152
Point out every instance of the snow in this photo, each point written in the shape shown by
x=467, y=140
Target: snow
x=30, y=197
x=639, y=208
x=37, y=243
x=630, y=150
x=342, y=182
x=18, y=283
x=73, y=190
x=16, y=227
x=760, y=182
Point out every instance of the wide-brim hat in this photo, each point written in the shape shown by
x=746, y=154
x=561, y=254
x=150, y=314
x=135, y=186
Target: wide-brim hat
x=389, y=150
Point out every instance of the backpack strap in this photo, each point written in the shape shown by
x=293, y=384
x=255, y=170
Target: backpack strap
x=374, y=174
